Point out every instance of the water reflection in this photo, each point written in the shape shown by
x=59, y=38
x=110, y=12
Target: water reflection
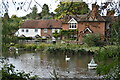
x=42, y=64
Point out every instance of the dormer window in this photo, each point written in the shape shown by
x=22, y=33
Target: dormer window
x=72, y=23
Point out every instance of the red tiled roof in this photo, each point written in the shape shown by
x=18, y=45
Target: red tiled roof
x=82, y=18
x=51, y=23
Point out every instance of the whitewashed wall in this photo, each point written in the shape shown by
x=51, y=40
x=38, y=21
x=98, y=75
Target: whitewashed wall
x=30, y=33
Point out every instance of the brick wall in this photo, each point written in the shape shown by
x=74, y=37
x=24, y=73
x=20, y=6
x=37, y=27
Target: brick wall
x=95, y=27
x=46, y=34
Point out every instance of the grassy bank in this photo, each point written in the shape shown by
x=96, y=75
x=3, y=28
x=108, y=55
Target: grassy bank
x=61, y=48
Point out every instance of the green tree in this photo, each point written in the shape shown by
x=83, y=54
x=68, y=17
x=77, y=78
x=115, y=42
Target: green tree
x=92, y=40
x=34, y=14
x=71, y=8
x=115, y=31
x=45, y=10
x=10, y=26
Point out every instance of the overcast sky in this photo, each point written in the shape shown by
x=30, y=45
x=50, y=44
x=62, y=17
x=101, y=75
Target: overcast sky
x=51, y=3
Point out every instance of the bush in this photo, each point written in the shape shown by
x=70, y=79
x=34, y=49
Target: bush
x=25, y=38
x=8, y=73
x=43, y=46
x=30, y=46
x=19, y=45
x=93, y=40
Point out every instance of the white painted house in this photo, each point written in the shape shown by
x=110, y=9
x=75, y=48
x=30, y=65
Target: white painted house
x=27, y=32
x=43, y=28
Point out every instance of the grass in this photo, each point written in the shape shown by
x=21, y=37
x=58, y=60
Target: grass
x=62, y=47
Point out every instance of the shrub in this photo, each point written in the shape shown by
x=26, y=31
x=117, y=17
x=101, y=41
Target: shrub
x=93, y=40
x=8, y=73
x=43, y=46
x=20, y=45
x=30, y=46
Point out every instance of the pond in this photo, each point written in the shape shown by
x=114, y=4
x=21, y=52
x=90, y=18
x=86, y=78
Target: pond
x=43, y=64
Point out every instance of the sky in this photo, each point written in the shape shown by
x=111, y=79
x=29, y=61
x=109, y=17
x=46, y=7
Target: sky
x=12, y=10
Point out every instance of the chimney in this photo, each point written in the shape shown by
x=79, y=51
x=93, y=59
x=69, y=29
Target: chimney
x=110, y=13
x=95, y=9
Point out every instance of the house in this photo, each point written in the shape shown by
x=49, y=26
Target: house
x=42, y=28
x=92, y=22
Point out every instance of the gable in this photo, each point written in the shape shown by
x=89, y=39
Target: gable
x=72, y=21
x=87, y=29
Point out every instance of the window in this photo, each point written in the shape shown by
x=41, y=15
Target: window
x=22, y=30
x=53, y=30
x=36, y=30
x=72, y=25
x=45, y=30
x=26, y=30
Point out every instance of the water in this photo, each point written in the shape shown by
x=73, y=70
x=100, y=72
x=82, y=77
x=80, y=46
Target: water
x=43, y=64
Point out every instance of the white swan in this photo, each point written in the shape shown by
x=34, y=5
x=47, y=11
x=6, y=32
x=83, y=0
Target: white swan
x=67, y=58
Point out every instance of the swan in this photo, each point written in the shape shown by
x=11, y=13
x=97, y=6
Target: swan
x=16, y=50
x=67, y=58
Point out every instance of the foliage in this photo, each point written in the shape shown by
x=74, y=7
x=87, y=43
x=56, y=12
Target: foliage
x=93, y=40
x=43, y=46
x=115, y=31
x=8, y=73
x=56, y=34
x=30, y=46
x=34, y=14
x=71, y=8
x=45, y=11
x=108, y=68
x=69, y=34
x=10, y=26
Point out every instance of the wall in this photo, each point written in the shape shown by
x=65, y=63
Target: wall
x=49, y=32
x=95, y=27
x=66, y=26
x=30, y=33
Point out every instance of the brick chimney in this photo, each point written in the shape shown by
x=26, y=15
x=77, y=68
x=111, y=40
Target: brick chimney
x=95, y=9
x=110, y=13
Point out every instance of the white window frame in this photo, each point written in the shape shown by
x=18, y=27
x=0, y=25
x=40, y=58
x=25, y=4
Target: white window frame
x=72, y=26
x=45, y=30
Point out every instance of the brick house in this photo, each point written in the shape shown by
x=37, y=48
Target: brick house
x=92, y=22
x=42, y=28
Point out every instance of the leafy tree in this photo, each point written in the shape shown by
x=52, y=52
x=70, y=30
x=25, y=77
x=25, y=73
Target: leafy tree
x=10, y=26
x=56, y=34
x=68, y=34
x=45, y=10
x=71, y=8
x=115, y=37
x=92, y=40
x=34, y=14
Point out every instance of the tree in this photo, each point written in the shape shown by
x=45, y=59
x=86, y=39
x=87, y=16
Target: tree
x=45, y=10
x=10, y=26
x=71, y=8
x=34, y=14
x=92, y=40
